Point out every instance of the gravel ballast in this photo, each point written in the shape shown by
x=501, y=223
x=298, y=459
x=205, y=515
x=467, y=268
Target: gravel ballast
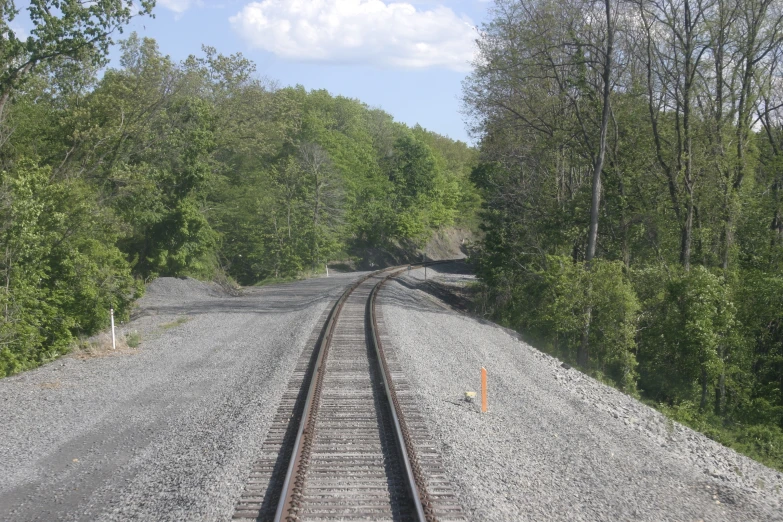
x=556, y=444
x=166, y=431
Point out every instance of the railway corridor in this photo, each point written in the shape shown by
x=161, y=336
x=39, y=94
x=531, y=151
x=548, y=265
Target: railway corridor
x=353, y=472
x=201, y=421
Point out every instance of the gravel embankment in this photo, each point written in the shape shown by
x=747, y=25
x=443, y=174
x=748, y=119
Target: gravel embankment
x=167, y=431
x=556, y=444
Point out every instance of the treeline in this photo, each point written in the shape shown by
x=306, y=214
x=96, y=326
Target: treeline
x=632, y=166
x=199, y=168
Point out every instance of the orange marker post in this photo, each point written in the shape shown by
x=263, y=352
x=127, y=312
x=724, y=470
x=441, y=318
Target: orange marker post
x=483, y=390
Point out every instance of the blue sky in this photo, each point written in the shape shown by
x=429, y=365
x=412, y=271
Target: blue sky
x=407, y=57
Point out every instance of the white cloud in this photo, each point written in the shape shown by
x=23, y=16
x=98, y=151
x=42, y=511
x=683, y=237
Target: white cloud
x=19, y=31
x=358, y=31
x=178, y=6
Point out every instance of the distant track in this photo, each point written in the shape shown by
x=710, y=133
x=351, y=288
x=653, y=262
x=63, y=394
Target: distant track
x=353, y=456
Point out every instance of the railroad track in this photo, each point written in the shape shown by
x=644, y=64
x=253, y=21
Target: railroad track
x=341, y=447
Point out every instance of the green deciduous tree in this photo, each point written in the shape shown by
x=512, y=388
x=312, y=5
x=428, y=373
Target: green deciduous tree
x=62, y=29
x=688, y=197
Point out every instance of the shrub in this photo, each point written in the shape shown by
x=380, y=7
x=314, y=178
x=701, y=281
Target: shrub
x=552, y=307
x=62, y=270
x=687, y=331
x=761, y=442
x=133, y=339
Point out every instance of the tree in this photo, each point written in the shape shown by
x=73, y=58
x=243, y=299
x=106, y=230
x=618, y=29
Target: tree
x=679, y=286
x=62, y=29
x=196, y=168
x=324, y=195
x=550, y=69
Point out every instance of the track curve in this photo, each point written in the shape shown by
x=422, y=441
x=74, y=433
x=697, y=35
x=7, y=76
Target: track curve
x=341, y=448
x=350, y=459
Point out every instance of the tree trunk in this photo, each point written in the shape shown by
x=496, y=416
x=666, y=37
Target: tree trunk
x=583, y=353
x=720, y=395
x=687, y=236
x=777, y=217
x=727, y=236
x=316, y=211
x=703, y=379
x=3, y=101
x=595, y=202
x=7, y=280
x=624, y=225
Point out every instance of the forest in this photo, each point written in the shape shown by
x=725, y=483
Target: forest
x=631, y=162
x=113, y=176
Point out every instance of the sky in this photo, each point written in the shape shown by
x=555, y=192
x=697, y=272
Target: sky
x=407, y=57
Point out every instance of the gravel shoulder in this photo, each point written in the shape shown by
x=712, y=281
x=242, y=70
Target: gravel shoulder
x=167, y=431
x=555, y=444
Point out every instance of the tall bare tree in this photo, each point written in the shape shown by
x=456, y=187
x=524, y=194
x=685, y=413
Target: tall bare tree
x=325, y=191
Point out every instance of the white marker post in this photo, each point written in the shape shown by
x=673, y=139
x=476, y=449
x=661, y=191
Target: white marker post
x=113, y=341
x=327, y=270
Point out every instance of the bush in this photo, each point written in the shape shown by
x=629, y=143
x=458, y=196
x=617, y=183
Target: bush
x=759, y=302
x=615, y=310
x=133, y=339
x=551, y=306
x=761, y=442
x=688, y=330
x=63, y=272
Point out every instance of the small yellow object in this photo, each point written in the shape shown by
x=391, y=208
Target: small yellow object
x=76, y=460
x=470, y=395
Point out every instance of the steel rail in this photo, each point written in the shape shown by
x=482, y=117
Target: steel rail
x=415, y=481
x=416, y=484
x=293, y=485
x=291, y=491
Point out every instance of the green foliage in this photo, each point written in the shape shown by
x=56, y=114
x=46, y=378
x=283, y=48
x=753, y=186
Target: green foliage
x=759, y=300
x=615, y=312
x=343, y=177
x=688, y=334
x=60, y=29
x=197, y=168
x=60, y=267
x=760, y=441
x=550, y=304
x=685, y=294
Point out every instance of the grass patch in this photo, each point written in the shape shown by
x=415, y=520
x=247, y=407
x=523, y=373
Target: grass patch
x=177, y=322
x=100, y=346
x=761, y=442
x=133, y=339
